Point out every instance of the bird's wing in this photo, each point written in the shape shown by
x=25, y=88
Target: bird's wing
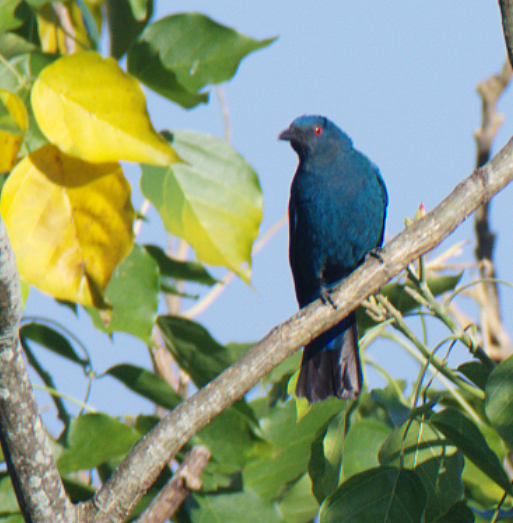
x=384, y=195
x=292, y=236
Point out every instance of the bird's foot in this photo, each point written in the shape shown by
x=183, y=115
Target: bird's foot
x=377, y=253
x=326, y=298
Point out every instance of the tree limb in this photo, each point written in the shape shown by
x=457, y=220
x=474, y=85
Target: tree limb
x=127, y=484
x=25, y=444
x=185, y=479
x=496, y=341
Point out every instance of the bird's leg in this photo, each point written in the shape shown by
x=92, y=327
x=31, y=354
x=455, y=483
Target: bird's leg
x=377, y=253
x=326, y=297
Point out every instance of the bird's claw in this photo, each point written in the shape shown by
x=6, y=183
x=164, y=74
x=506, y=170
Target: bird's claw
x=377, y=253
x=326, y=298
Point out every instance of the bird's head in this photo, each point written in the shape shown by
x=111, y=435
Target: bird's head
x=315, y=135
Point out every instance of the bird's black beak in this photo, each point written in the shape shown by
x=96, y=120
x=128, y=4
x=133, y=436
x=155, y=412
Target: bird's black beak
x=287, y=134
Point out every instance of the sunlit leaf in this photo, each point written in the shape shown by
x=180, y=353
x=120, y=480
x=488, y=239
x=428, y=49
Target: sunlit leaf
x=179, y=270
x=133, y=297
x=242, y=507
x=90, y=108
x=465, y=435
x=50, y=339
x=146, y=384
x=51, y=35
x=298, y=504
x=8, y=500
x=69, y=223
x=13, y=125
x=11, y=16
x=499, y=399
x=94, y=439
x=383, y=494
x=12, y=45
x=178, y=55
x=215, y=203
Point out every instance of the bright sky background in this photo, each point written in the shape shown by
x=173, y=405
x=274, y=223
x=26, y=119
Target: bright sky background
x=398, y=77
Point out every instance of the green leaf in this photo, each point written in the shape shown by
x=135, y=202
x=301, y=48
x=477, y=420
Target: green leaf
x=11, y=16
x=325, y=462
x=268, y=476
x=180, y=54
x=12, y=45
x=402, y=301
x=476, y=372
x=298, y=504
x=459, y=512
x=133, y=292
x=214, y=203
x=499, y=399
x=242, y=507
x=8, y=501
x=388, y=399
x=77, y=491
x=94, y=439
x=194, y=349
x=124, y=25
x=89, y=24
x=180, y=270
x=146, y=384
x=382, y=494
x=50, y=339
x=362, y=444
x=417, y=446
x=465, y=435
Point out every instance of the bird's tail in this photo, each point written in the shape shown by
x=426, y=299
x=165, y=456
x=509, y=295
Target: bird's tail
x=331, y=364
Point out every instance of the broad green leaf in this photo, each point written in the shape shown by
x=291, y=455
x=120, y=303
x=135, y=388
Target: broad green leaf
x=499, y=400
x=239, y=507
x=76, y=490
x=231, y=441
x=465, y=435
x=362, y=444
x=479, y=486
x=402, y=301
x=15, y=518
x=69, y=223
x=417, y=446
x=459, y=513
x=13, y=126
x=292, y=440
x=214, y=203
x=476, y=372
x=8, y=501
x=194, y=349
x=133, y=294
x=383, y=494
x=180, y=270
x=125, y=25
x=90, y=108
x=178, y=55
x=325, y=463
x=389, y=400
x=50, y=339
x=146, y=384
x=298, y=504
x=11, y=16
x=94, y=439
x=12, y=45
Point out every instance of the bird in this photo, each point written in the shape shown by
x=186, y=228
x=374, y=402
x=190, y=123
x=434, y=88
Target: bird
x=337, y=213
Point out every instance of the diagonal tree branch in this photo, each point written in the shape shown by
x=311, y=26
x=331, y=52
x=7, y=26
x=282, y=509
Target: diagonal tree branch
x=113, y=502
x=506, y=7
x=25, y=444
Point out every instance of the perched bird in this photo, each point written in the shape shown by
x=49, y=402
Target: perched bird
x=337, y=215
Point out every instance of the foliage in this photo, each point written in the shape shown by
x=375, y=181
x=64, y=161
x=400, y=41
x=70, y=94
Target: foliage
x=67, y=118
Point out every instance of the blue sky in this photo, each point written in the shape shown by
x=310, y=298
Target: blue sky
x=398, y=77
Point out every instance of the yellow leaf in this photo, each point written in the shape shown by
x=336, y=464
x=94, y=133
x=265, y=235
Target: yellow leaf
x=90, y=108
x=69, y=223
x=51, y=36
x=13, y=125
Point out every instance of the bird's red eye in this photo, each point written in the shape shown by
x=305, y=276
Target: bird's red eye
x=318, y=130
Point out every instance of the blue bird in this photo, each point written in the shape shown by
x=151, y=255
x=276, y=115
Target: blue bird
x=337, y=213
